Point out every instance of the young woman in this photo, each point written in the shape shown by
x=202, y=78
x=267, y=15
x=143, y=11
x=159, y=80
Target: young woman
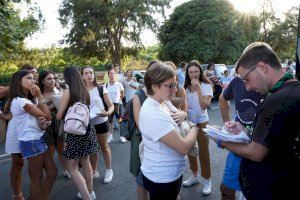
x=116, y=92
x=130, y=85
x=12, y=147
x=28, y=104
x=53, y=138
x=164, y=149
x=99, y=117
x=199, y=93
x=79, y=147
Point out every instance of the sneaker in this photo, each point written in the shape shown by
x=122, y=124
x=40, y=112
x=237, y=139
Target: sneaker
x=92, y=195
x=108, y=175
x=123, y=139
x=109, y=138
x=191, y=181
x=67, y=174
x=96, y=175
x=206, y=187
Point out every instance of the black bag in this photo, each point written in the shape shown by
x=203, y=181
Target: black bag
x=128, y=126
x=100, y=90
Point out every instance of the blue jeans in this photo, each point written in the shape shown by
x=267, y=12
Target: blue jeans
x=32, y=148
x=231, y=171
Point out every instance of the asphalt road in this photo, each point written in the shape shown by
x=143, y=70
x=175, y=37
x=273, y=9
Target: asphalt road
x=123, y=184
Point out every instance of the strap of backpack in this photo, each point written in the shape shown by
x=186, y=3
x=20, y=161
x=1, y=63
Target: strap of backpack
x=100, y=90
x=141, y=95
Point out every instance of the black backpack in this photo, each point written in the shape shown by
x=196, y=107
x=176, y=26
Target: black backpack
x=128, y=126
x=100, y=90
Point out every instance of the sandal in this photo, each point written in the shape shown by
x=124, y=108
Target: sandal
x=18, y=197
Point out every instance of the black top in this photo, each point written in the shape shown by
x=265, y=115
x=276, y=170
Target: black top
x=276, y=127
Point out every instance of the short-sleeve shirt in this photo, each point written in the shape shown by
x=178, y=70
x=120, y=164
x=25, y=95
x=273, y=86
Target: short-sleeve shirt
x=195, y=112
x=161, y=163
x=129, y=91
x=246, y=102
x=27, y=126
x=277, y=128
x=114, y=91
x=96, y=105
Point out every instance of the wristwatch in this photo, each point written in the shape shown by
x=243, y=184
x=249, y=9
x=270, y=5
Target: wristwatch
x=219, y=144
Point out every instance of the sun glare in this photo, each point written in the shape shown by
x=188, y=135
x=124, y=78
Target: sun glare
x=245, y=6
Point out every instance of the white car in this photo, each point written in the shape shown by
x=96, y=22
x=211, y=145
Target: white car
x=139, y=75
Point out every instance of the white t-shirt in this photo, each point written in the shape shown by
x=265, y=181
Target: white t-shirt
x=96, y=105
x=129, y=91
x=161, y=163
x=195, y=112
x=11, y=142
x=114, y=91
x=27, y=126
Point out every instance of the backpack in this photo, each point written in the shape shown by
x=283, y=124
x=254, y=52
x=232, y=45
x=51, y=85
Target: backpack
x=128, y=126
x=100, y=90
x=77, y=119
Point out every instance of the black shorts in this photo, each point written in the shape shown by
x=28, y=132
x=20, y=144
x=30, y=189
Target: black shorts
x=102, y=128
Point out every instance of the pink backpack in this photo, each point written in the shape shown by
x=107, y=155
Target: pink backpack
x=77, y=119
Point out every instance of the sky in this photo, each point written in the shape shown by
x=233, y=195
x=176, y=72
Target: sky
x=53, y=31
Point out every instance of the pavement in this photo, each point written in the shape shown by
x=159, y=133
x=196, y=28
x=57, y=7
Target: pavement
x=123, y=184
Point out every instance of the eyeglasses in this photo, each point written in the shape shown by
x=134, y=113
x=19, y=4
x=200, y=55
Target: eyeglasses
x=247, y=74
x=171, y=86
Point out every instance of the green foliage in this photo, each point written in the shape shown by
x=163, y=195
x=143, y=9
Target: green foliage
x=99, y=28
x=283, y=35
x=206, y=30
x=13, y=29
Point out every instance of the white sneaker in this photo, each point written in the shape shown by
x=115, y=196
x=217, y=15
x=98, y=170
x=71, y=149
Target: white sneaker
x=108, y=175
x=123, y=139
x=109, y=138
x=67, y=174
x=191, y=181
x=96, y=175
x=206, y=187
x=92, y=195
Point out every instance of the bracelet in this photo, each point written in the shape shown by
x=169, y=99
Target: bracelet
x=219, y=144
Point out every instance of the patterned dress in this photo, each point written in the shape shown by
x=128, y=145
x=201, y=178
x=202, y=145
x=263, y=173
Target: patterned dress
x=81, y=145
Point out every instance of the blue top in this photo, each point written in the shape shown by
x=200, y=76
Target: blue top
x=181, y=77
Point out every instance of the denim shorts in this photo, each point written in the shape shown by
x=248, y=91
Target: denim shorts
x=32, y=148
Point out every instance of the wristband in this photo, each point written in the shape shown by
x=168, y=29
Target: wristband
x=219, y=144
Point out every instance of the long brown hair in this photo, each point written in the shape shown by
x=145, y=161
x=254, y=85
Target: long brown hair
x=78, y=91
x=202, y=77
x=16, y=89
x=95, y=78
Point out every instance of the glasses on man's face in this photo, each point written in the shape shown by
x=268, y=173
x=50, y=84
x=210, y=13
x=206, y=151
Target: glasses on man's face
x=171, y=86
x=247, y=74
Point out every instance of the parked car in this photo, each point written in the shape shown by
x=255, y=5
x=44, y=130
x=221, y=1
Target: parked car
x=219, y=70
x=139, y=75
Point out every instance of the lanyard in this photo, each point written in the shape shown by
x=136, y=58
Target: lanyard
x=279, y=84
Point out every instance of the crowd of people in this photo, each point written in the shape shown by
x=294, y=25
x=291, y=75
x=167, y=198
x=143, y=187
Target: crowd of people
x=267, y=103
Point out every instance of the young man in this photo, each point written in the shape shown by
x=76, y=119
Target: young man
x=270, y=163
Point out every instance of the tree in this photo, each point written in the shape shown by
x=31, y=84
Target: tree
x=14, y=29
x=100, y=27
x=206, y=30
x=282, y=36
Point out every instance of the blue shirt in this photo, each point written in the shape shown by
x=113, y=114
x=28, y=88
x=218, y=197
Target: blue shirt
x=181, y=77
